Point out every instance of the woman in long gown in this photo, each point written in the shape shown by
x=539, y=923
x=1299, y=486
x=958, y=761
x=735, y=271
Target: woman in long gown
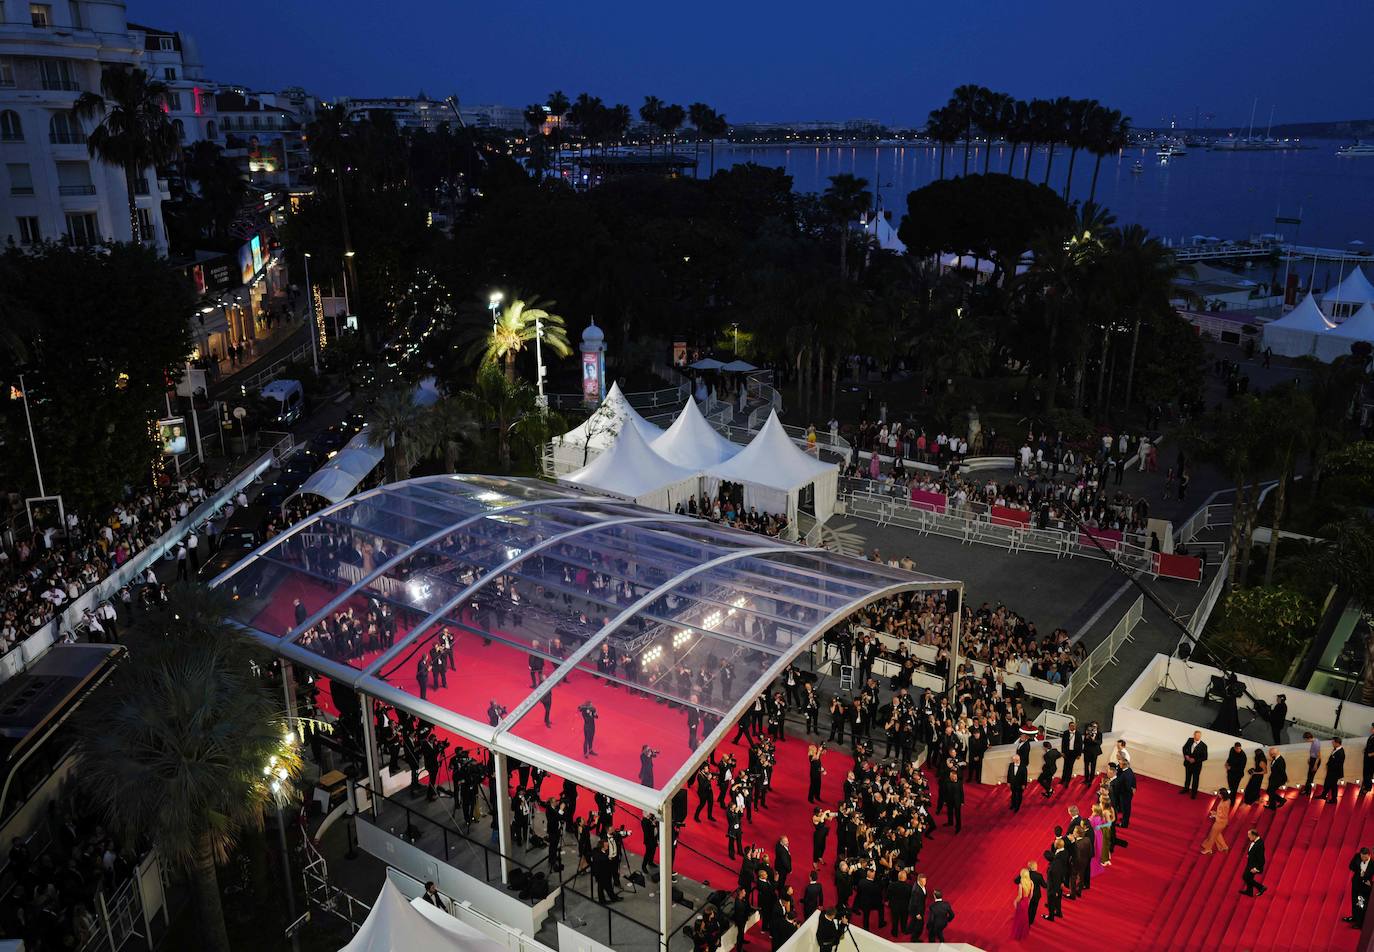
x=1220, y=816
x=1020, y=912
x=1097, y=821
x=1254, y=788
x=1108, y=834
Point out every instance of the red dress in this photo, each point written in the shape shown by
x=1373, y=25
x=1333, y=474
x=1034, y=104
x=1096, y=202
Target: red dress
x=1020, y=918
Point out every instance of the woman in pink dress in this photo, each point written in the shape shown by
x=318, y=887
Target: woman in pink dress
x=1020, y=913
x=1098, y=820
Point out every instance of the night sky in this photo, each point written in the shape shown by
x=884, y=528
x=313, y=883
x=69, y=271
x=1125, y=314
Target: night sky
x=766, y=60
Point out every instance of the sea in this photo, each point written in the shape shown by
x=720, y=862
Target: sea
x=1224, y=195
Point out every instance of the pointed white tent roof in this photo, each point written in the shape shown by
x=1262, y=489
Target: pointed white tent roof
x=397, y=925
x=632, y=470
x=1359, y=326
x=694, y=443
x=771, y=459
x=1307, y=316
x=604, y=425
x=1296, y=333
x=1354, y=289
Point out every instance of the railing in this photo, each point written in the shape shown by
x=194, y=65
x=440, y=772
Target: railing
x=67, y=138
x=1101, y=656
x=977, y=523
x=653, y=399
x=21, y=189
x=76, y=190
x=256, y=380
x=1209, y=599
x=61, y=85
x=322, y=895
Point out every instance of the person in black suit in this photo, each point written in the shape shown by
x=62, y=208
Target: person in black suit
x=1278, y=718
x=1047, y=765
x=1235, y=767
x=739, y=915
x=1055, y=880
x=1071, y=746
x=829, y=930
x=941, y=915
x=1335, y=771
x=1368, y=778
x=1016, y=781
x=1278, y=777
x=898, y=902
x=813, y=896
x=1121, y=791
x=916, y=909
x=1361, y=872
x=1092, y=749
x=1038, y=887
x=1194, y=756
x=782, y=862
x=869, y=898
x=1254, y=865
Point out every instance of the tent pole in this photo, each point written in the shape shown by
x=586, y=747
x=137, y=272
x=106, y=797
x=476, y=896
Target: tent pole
x=665, y=875
x=502, y=817
x=954, y=638
x=288, y=687
x=374, y=773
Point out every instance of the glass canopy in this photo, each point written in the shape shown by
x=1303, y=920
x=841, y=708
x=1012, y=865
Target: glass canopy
x=555, y=603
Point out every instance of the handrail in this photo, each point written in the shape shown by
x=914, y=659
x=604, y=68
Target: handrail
x=1102, y=655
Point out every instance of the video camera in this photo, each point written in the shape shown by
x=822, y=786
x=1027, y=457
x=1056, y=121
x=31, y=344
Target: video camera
x=587, y=709
x=650, y=751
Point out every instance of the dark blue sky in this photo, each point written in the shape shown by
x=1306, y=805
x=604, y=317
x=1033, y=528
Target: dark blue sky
x=763, y=59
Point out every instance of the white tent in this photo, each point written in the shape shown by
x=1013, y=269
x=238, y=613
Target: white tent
x=337, y=479
x=396, y=924
x=880, y=229
x=1350, y=295
x=694, y=443
x=581, y=444
x=738, y=366
x=1336, y=342
x=774, y=471
x=706, y=363
x=630, y=469
x=1295, y=334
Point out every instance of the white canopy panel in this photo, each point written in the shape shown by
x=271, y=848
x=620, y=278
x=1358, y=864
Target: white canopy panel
x=397, y=924
x=694, y=443
x=1336, y=342
x=774, y=470
x=579, y=445
x=630, y=469
x=706, y=363
x=739, y=367
x=1353, y=289
x=1295, y=334
x=337, y=479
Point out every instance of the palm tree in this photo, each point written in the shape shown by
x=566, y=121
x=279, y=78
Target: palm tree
x=446, y=428
x=508, y=408
x=520, y=321
x=1144, y=273
x=1111, y=132
x=186, y=748
x=715, y=128
x=966, y=104
x=699, y=115
x=618, y=119
x=846, y=199
x=1291, y=419
x=942, y=127
x=1077, y=132
x=1039, y=128
x=134, y=132
x=995, y=120
x=535, y=117
x=219, y=183
x=1016, y=128
x=558, y=108
x=397, y=425
x=670, y=119
x=648, y=114
x=1054, y=126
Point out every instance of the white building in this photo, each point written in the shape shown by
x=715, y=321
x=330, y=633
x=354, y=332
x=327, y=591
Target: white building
x=492, y=116
x=420, y=112
x=50, y=53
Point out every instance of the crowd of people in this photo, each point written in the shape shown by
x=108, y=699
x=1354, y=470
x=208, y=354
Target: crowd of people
x=727, y=511
x=52, y=903
x=46, y=571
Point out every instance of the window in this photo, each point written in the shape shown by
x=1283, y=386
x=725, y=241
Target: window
x=21, y=180
x=6, y=73
x=166, y=43
x=83, y=229
x=257, y=122
x=57, y=74
x=74, y=178
x=11, y=129
x=65, y=129
x=28, y=230
x=180, y=128
x=169, y=72
x=145, y=224
x=210, y=131
x=173, y=101
x=40, y=14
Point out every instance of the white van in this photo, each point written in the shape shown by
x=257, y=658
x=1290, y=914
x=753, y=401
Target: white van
x=283, y=402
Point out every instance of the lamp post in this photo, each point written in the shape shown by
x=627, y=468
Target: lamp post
x=735, y=325
x=539, y=361
x=494, y=303
x=310, y=309
x=38, y=470
x=348, y=261
x=277, y=775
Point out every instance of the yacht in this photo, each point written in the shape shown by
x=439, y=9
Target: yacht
x=1137, y=168
x=1356, y=150
x=1170, y=151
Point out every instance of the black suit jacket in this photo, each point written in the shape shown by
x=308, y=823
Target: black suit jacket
x=1059, y=869
x=828, y=932
x=941, y=915
x=1335, y=764
x=782, y=860
x=813, y=897
x=1278, y=773
x=1198, y=751
x=1071, y=743
x=1016, y=775
x=917, y=906
x=1358, y=879
x=1039, y=884
x=1236, y=761
x=1254, y=855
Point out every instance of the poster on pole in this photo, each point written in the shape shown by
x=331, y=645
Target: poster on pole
x=171, y=434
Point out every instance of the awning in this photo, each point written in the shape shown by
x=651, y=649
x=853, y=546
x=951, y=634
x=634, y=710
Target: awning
x=337, y=479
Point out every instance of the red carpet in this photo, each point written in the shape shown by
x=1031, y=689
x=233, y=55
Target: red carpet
x=1160, y=892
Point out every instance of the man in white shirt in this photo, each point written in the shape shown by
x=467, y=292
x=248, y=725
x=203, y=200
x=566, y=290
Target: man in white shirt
x=192, y=543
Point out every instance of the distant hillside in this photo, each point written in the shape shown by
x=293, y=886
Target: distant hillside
x=1345, y=129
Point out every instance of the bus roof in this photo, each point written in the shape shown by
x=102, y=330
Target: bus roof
x=33, y=699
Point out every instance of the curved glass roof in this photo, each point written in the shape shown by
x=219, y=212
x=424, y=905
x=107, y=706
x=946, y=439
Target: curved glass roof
x=552, y=598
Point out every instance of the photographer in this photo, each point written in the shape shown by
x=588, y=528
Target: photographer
x=495, y=712
x=647, y=755
x=830, y=929
x=648, y=827
x=588, y=711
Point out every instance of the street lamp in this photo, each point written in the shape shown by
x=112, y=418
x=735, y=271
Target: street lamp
x=277, y=775
x=348, y=259
x=735, y=325
x=310, y=309
x=493, y=303
x=539, y=360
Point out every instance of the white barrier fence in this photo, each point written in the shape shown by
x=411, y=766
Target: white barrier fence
x=32, y=647
x=1085, y=675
